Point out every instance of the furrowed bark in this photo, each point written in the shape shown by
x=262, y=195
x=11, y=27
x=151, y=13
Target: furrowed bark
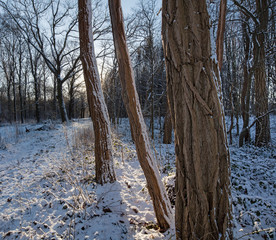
x=156, y=189
x=194, y=92
x=99, y=115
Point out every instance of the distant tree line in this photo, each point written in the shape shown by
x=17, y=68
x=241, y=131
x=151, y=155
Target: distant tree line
x=41, y=74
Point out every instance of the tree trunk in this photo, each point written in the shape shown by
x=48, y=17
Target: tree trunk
x=245, y=94
x=156, y=189
x=235, y=89
x=14, y=99
x=20, y=84
x=99, y=115
x=61, y=104
x=220, y=32
x=202, y=158
x=262, y=136
x=25, y=93
x=36, y=88
x=71, y=99
x=231, y=115
x=167, y=138
x=44, y=90
x=55, y=98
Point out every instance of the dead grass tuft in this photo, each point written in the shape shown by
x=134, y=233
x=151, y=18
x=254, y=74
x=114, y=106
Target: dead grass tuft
x=83, y=138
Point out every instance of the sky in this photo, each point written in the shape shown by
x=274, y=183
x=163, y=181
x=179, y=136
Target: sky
x=127, y=5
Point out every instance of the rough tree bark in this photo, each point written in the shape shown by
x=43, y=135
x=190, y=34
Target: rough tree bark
x=156, y=189
x=245, y=94
x=220, y=32
x=202, y=156
x=99, y=115
x=167, y=138
x=262, y=136
x=61, y=103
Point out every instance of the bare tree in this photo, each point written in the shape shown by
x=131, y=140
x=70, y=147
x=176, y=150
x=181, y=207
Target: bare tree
x=34, y=64
x=52, y=42
x=260, y=19
x=202, y=209
x=167, y=138
x=220, y=32
x=8, y=64
x=246, y=87
x=156, y=189
x=103, y=145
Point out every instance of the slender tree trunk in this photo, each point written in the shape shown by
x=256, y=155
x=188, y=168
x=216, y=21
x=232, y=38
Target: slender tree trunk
x=103, y=145
x=262, y=136
x=231, y=115
x=220, y=32
x=235, y=92
x=167, y=139
x=152, y=105
x=37, y=94
x=202, y=158
x=44, y=90
x=25, y=93
x=156, y=189
x=229, y=81
x=20, y=84
x=9, y=98
x=61, y=104
x=34, y=61
x=245, y=94
x=14, y=99
x=21, y=100
x=54, y=109
x=71, y=99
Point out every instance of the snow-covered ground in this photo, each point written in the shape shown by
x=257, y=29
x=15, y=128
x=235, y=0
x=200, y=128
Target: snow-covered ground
x=47, y=188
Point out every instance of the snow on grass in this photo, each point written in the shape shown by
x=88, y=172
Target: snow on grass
x=48, y=191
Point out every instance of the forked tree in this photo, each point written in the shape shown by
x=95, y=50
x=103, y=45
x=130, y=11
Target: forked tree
x=98, y=110
x=202, y=208
x=156, y=189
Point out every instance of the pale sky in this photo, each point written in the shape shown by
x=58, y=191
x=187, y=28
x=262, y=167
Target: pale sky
x=128, y=4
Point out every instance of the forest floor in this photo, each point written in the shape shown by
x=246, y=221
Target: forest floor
x=47, y=187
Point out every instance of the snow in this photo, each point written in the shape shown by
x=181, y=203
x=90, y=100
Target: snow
x=47, y=187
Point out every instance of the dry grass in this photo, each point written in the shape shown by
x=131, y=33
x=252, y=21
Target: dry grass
x=83, y=138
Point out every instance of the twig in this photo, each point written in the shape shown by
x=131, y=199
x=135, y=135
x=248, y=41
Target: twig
x=257, y=231
x=258, y=118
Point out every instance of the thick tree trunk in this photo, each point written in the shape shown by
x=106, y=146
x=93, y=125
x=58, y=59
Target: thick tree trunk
x=202, y=157
x=103, y=145
x=156, y=189
x=262, y=136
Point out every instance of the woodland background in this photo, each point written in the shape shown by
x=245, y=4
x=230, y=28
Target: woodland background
x=41, y=75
